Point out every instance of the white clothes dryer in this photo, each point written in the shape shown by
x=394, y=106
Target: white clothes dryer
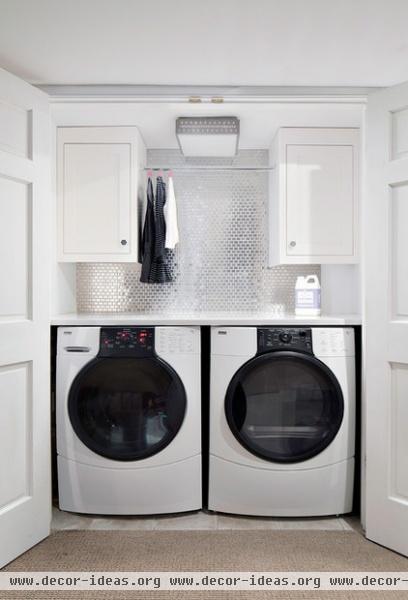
x=128, y=408
x=282, y=421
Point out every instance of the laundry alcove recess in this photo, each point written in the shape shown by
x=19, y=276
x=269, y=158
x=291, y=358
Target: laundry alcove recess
x=230, y=265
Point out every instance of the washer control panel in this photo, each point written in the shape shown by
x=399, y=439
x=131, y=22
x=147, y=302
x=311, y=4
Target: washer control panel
x=126, y=341
x=285, y=338
x=177, y=340
x=333, y=341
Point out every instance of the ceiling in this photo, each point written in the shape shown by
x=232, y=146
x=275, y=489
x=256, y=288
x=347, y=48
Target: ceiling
x=206, y=42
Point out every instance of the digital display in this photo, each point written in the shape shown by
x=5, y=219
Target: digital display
x=127, y=341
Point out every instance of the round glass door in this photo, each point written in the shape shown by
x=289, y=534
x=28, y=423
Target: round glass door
x=127, y=408
x=284, y=407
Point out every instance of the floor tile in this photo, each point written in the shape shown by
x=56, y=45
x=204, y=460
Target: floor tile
x=237, y=522
x=199, y=520
x=121, y=523
x=324, y=524
x=66, y=520
x=353, y=523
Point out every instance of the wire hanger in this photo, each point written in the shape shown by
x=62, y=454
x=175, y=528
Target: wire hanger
x=159, y=172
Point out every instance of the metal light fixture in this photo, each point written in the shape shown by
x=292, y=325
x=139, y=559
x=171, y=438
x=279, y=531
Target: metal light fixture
x=208, y=136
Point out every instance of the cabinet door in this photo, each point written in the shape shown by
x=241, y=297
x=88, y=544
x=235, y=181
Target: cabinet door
x=314, y=201
x=321, y=196
x=98, y=172
x=320, y=201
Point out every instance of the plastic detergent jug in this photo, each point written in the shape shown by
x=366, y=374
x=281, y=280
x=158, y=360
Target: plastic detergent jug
x=307, y=296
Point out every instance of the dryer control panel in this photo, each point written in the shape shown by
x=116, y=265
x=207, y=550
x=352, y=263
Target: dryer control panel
x=126, y=342
x=284, y=338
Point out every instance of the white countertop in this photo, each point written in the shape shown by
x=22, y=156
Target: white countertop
x=207, y=318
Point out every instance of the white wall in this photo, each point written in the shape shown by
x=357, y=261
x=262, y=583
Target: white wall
x=341, y=289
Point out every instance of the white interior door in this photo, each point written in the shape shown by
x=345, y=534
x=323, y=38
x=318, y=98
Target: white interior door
x=385, y=222
x=25, y=496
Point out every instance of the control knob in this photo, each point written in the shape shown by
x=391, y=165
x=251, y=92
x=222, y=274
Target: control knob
x=285, y=337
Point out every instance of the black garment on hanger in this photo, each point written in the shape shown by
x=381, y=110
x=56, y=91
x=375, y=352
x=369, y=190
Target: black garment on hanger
x=148, y=236
x=159, y=272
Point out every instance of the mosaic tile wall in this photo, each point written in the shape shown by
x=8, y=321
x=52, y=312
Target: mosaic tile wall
x=220, y=262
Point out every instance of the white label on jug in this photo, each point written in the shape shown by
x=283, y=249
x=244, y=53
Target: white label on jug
x=307, y=298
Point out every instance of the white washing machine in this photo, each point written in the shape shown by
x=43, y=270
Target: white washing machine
x=129, y=419
x=282, y=421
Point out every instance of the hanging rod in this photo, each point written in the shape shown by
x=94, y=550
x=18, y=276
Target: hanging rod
x=208, y=168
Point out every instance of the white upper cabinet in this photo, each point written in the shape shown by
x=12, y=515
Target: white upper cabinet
x=313, y=216
x=98, y=183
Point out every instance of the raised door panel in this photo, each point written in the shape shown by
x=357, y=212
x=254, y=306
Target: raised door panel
x=320, y=201
x=16, y=434
x=399, y=250
x=399, y=133
x=15, y=127
x=15, y=243
x=398, y=451
x=96, y=198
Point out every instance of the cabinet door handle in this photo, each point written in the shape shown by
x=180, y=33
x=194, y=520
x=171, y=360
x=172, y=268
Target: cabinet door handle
x=292, y=244
x=123, y=242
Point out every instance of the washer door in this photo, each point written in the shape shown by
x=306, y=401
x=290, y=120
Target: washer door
x=127, y=408
x=285, y=407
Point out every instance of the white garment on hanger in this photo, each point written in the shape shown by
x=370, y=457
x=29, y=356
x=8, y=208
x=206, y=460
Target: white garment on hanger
x=170, y=215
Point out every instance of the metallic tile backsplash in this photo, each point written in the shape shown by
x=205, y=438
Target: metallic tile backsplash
x=220, y=263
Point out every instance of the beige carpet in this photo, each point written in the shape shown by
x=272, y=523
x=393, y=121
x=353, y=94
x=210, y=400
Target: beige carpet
x=207, y=550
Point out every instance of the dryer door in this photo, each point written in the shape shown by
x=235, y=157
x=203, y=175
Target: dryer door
x=127, y=409
x=285, y=407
